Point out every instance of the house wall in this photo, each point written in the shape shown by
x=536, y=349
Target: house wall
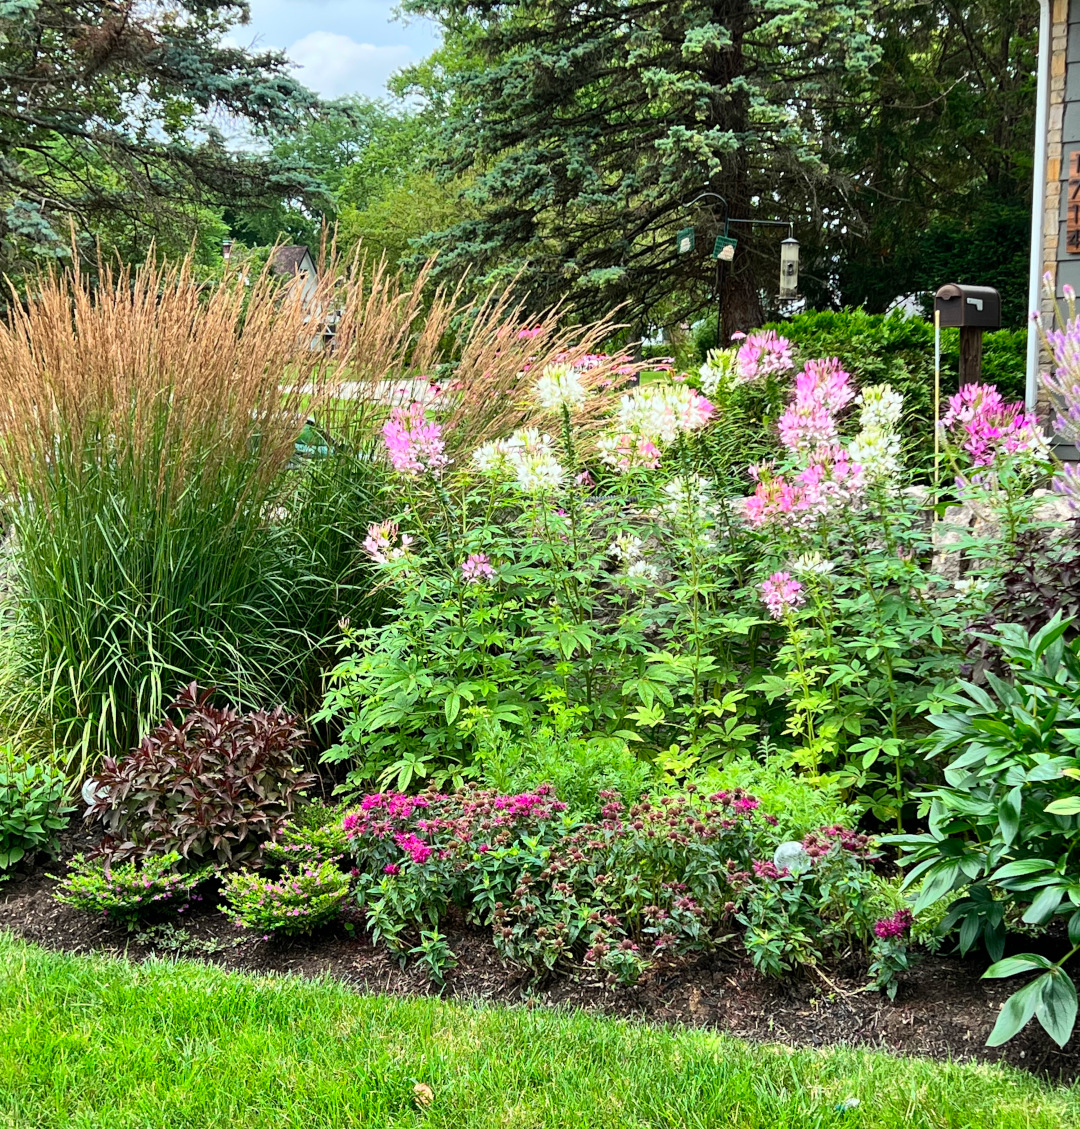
x=1063, y=139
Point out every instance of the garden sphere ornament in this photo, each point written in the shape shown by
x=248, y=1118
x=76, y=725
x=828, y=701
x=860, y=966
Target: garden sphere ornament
x=791, y=856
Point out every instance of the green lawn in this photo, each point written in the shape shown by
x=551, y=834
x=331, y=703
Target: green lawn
x=91, y=1042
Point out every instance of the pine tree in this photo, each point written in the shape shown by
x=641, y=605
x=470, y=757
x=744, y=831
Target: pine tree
x=108, y=112
x=587, y=128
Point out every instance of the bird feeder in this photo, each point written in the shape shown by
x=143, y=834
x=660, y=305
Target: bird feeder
x=789, y=267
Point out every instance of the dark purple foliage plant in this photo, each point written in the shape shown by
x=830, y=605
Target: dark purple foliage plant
x=213, y=788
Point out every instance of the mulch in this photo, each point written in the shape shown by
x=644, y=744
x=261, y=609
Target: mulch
x=942, y=1010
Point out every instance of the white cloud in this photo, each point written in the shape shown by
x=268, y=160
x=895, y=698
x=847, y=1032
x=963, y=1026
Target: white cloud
x=334, y=65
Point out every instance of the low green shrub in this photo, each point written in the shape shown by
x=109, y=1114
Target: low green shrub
x=298, y=902
x=800, y=803
x=216, y=786
x=312, y=836
x=133, y=890
x=33, y=806
x=579, y=768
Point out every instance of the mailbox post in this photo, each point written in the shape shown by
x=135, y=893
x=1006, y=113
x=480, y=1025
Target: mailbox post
x=971, y=309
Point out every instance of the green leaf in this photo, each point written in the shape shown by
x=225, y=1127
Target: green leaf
x=1013, y=966
x=1067, y=805
x=1056, y=1009
x=1009, y=815
x=1016, y=1012
x=939, y=883
x=1021, y=866
x=1042, y=908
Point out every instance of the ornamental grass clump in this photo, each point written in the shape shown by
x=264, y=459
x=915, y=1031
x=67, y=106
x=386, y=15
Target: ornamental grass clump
x=131, y=891
x=299, y=901
x=144, y=431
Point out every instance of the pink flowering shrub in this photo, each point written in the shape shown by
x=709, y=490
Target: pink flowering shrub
x=826, y=910
x=131, y=891
x=648, y=879
x=298, y=901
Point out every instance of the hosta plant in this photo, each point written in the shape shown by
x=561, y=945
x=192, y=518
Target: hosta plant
x=33, y=806
x=1005, y=826
x=213, y=788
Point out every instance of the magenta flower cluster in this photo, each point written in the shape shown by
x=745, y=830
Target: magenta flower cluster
x=830, y=481
x=827, y=478
x=986, y=428
x=413, y=442
x=822, y=390
x=889, y=928
x=781, y=594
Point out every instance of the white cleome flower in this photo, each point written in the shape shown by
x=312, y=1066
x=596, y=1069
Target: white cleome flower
x=627, y=548
x=690, y=499
x=881, y=409
x=558, y=387
x=720, y=369
x=877, y=451
x=530, y=456
x=492, y=458
x=811, y=564
x=642, y=570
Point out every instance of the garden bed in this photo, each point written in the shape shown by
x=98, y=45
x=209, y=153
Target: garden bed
x=942, y=1009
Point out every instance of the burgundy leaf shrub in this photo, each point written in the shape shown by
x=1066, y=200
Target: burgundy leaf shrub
x=213, y=788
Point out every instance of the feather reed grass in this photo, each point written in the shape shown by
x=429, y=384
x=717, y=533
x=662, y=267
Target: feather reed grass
x=160, y=527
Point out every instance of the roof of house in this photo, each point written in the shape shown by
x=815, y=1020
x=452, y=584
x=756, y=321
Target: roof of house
x=288, y=260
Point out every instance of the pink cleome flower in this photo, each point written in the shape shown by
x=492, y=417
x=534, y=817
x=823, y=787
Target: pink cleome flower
x=476, y=568
x=986, y=428
x=413, y=442
x=822, y=390
x=780, y=594
x=762, y=353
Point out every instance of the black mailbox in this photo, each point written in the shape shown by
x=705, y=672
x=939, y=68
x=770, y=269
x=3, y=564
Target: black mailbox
x=968, y=307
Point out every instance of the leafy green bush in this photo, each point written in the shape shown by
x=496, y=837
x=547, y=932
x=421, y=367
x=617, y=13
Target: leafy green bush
x=579, y=768
x=297, y=902
x=801, y=804
x=312, y=836
x=33, y=805
x=1004, y=826
x=131, y=890
x=218, y=785
x=885, y=348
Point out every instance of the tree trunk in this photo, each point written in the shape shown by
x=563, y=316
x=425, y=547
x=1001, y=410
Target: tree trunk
x=742, y=304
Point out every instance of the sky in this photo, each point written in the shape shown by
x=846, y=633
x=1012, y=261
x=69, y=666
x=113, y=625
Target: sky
x=341, y=46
